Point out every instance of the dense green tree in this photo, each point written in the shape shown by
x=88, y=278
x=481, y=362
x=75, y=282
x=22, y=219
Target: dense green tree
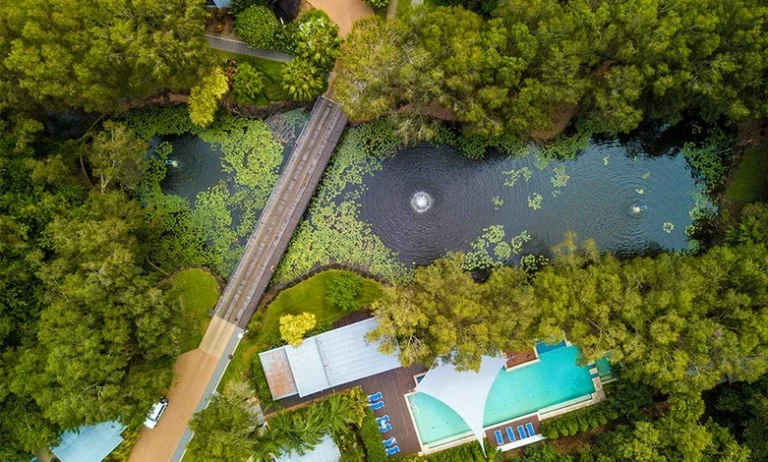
x=228, y=429
x=205, y=96
x=95, y=54
x=107, y=335
x=117, y=157
x=445, y=315
x=743, y=407
x=343, y=290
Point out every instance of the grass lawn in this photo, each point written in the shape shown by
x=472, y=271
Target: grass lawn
x=751, y=182
x=199, y=293
x=307, y=296
x=272, y=70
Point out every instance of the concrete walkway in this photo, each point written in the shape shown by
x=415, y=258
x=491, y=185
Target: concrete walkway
x=236, y=46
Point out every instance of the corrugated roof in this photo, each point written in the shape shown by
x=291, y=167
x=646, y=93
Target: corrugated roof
x=307, y=367
x=326, y=451
x=347, y=356
x=280, y=377
x=90, y=443
x=327, y=360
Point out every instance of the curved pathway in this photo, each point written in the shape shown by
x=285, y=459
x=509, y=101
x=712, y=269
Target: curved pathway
x=236, y=46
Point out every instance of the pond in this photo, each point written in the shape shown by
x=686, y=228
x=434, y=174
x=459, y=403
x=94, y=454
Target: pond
x=428, y=200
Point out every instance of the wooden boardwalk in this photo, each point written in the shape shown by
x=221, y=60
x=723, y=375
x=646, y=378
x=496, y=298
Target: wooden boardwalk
x=282, y=213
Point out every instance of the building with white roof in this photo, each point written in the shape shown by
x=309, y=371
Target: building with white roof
x=325, y=361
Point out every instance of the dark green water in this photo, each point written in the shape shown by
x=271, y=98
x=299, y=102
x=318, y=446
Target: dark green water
x=615, y=194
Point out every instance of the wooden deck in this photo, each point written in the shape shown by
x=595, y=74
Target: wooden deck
x=393, y=385
x=518, y=358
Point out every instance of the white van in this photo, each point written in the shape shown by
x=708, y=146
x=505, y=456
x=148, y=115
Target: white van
x=155, y=413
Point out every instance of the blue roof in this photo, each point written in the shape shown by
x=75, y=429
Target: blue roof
x=222, y=3
x=89, y=443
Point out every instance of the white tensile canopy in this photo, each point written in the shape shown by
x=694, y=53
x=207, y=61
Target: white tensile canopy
x=465, y=392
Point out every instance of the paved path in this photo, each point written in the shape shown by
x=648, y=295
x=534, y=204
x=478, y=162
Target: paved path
x=343, y=12
x=196, y=375
x=236, y=46
x=282, y=213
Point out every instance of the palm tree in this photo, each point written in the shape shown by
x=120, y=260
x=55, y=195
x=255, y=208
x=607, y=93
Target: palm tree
x=340, y=412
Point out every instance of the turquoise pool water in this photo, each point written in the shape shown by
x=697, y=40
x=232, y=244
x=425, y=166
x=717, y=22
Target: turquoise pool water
x=556, y=378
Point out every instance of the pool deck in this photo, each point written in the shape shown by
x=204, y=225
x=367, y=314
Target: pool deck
x=393, y=385
x=518, y=358
x=533, y=419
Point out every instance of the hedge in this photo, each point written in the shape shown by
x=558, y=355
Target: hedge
x=260, y=382
x=579, y=421
x=470, y=452
x=372, y=441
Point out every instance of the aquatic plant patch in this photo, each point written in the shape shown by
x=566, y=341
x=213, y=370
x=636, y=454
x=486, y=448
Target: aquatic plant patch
x=211, y=230
x=333, y=231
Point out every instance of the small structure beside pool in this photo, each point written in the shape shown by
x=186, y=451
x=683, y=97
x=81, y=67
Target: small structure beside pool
x=436, y=409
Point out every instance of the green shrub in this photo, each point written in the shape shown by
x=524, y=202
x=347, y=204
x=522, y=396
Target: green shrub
x=377, y=3
x=257, y=26
x=247, y=84
x=260, y=382
x=317, y=40
x=369, y=433
x=343, y=290
x=238, y=6
x=303, y=80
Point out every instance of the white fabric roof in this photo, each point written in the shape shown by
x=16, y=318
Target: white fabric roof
x=326, y=451
x=330, y=359
x=465, y=392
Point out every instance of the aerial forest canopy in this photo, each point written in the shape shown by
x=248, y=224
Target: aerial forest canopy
x=534, y=63
x=96, y=54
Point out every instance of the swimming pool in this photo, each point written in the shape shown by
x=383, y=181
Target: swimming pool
x=555, y=379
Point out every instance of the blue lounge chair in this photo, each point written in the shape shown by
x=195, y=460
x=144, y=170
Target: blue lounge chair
x=393, y=450
x=375, y=397
x=510, y=434
x=390, y=442
x=383, y=420
x=521, y=432
x=376, y=406
x=499, y=439
x=530, y=430
x=385, y=428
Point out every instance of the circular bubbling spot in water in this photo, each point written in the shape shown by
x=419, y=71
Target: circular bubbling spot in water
x=421, y=202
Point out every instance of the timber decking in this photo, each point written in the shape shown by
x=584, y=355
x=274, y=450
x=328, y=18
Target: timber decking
x=282, y=213
x=393, y=385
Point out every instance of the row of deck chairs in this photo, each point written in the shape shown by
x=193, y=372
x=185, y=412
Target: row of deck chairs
x=522, y=433
x=376, y=402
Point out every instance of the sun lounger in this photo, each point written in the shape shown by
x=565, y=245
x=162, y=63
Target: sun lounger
x=383, y=420
x=521, y=432
x=393, y=450
x=529, y=428
x=390, y=442
x=376, y=406
x=375, y=397
x=499, y=438
x=510, y=434
x=385, y=428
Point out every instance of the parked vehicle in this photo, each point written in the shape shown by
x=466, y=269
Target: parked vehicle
x=155, y=413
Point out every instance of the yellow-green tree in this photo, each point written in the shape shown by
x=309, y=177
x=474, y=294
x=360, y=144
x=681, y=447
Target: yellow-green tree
x=294, y=327
x=204, y=99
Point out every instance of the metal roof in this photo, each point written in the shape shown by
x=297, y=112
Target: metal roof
x=280, y=378
x=327, y=360
x=326, y=451
x=307, y=367
x=89, y=443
